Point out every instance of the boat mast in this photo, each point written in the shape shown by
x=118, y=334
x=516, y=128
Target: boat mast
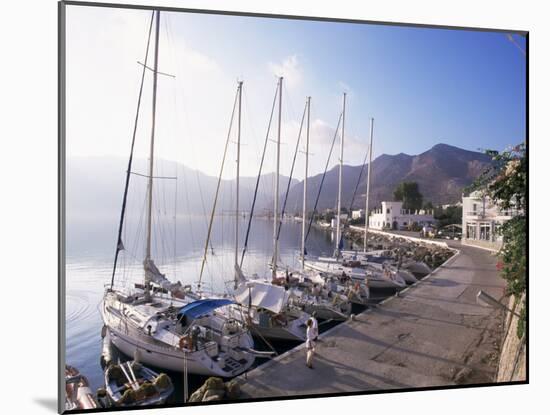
x=368, y=188
x=304, y=203
x=276, y=203
x=240, y=90
x=339, y=205
x=151, y=154
x=120, y=244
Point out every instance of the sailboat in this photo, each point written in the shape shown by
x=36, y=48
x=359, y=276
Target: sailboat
x=163, y=323
x=367, y=275
x=370, y=275
x=308, y=290
x=269, y=311
x=265, y=308
x=381, y=259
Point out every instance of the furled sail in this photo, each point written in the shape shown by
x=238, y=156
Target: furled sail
x=153, y=275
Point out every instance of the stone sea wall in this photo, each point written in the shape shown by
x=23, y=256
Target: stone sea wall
x=512, y=364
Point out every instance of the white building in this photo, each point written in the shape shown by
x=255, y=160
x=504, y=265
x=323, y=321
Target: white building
x=358, y=214
x=481, y=219
x=392, y=216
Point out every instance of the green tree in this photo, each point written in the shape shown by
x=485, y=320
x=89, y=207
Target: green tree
x=448, y=216
x=409, y=194
x=505, y=182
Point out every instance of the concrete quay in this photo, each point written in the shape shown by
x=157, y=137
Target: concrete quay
x=433, y=334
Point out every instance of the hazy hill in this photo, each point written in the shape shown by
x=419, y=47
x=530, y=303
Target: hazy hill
x=95, y=188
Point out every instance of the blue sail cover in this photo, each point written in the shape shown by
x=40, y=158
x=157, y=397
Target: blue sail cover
x=200, y=308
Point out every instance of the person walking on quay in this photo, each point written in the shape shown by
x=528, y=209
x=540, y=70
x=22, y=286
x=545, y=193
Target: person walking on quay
x=310, y=343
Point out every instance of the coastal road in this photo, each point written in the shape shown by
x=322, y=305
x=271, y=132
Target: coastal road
x=433, y=334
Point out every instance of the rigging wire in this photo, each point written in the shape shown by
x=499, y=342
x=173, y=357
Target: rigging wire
x=119, y=245
x=162, y=221
x=137, y=237
x=245, y=245
x=315, y=242
x=359, y=178
x=291, y=173
x=168, y=31
x=176, y=225
x=217, y=189
x=188, y=175
x=324, y=175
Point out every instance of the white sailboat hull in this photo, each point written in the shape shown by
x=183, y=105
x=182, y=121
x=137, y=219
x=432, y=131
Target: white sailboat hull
x=417, y=267
x=406, y=275
x=132, y=341
x=197, y=363
x=409, y=267
x=294, y=330
x=327, y=313
x=337, y=269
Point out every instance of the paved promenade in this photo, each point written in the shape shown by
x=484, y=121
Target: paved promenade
x=433, y=334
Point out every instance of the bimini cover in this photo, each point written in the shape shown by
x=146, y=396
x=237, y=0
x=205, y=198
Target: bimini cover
x=262, y=295
x=200, y=308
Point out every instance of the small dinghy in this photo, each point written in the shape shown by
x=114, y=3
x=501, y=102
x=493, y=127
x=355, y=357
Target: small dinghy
x=78, y=394
x=132, y=384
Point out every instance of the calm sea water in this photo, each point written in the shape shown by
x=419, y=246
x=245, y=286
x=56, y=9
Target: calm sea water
x=90, y=254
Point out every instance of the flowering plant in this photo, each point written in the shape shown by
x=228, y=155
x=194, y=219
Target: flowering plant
x=505, y=182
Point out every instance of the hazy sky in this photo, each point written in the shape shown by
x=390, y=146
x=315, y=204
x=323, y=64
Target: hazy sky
x=422, y=86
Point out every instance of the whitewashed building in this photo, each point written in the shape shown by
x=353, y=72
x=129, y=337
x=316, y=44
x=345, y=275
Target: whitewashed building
x=392, y=216
x=358, y=214
x=481, y=220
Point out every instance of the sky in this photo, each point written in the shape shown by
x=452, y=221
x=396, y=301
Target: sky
x=422, y=87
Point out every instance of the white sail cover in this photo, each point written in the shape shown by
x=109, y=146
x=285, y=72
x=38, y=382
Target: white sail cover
x=153, y=274
x=262, y=295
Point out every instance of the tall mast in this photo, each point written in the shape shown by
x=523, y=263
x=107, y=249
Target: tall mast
x=276, y=203
x=152, y=153
x=368, y=187
x=304, y=203
x=236, y=267
x=120, y=245
x=338, y=237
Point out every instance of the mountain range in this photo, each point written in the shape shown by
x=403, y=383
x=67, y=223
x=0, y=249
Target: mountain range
x=95, y=185
x=442, y=173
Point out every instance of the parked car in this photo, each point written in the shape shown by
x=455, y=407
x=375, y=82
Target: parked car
x=449, y=232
